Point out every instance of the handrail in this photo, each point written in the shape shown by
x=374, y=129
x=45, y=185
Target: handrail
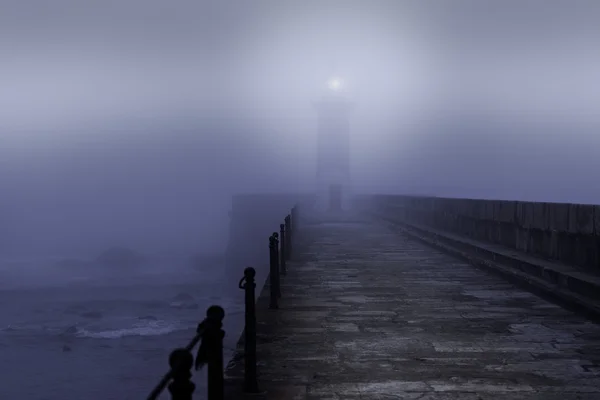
x=280, y=246
x=209, y=332
x=210, y=352
x=162, y=385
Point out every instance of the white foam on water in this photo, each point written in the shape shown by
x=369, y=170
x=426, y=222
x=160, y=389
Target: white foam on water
x=9, y=328
x=141, y=328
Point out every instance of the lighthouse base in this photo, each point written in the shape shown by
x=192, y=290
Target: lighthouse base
x=333, y=198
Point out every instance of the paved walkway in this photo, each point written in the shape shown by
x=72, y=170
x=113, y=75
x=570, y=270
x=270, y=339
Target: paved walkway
x=368, y=314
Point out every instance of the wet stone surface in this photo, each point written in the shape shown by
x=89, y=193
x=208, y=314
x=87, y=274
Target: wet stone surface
x=368, y=314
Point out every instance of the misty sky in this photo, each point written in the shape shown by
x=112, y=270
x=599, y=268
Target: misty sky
x=126, y=116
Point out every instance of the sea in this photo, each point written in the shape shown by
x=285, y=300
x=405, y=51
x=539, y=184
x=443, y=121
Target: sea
x=79, y=331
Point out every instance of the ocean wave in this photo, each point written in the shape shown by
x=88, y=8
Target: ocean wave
x=141, y=328
x=184, y=300
x=9, y=328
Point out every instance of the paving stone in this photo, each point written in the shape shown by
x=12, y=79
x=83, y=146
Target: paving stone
x=367, y=313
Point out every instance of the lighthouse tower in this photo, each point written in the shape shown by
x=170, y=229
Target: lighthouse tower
x=333, y=148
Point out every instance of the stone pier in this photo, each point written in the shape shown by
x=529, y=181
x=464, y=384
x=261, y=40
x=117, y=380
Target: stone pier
x=370, y=312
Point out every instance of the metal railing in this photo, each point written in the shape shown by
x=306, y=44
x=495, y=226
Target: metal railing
x=210, y=352
x=210, y=333
x=280, y=246
x=249, y=286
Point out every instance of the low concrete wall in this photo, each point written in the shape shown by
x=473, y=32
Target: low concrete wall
x=253, y=218
x=569, y=233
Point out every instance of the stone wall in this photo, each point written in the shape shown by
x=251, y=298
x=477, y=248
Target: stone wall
x=569, y=233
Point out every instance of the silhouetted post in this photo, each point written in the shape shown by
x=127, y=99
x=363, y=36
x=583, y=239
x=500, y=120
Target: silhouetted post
x=210, y=335
x=276, y=258
x=214, y=333
x=282, y=248
x=288, y=245
x=273, y=268
x=181, y=387
x=248, y=284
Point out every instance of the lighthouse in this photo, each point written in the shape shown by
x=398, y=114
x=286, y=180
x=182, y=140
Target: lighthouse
x=333, y=148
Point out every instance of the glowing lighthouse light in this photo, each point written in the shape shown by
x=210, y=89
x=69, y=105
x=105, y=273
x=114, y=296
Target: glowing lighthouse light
x=335, y=84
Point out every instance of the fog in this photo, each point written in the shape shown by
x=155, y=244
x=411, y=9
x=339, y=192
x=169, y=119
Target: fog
x=132, y=123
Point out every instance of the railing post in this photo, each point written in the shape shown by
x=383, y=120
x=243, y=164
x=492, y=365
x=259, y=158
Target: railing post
x=210, y=336
x=282, y=248
x=288, y=245
x=273, y=269
x=215, y=334
x=248, y=284
x=276, y=267
x=181, y=387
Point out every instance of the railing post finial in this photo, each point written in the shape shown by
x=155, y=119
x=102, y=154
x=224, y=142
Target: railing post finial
x=181, y=387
